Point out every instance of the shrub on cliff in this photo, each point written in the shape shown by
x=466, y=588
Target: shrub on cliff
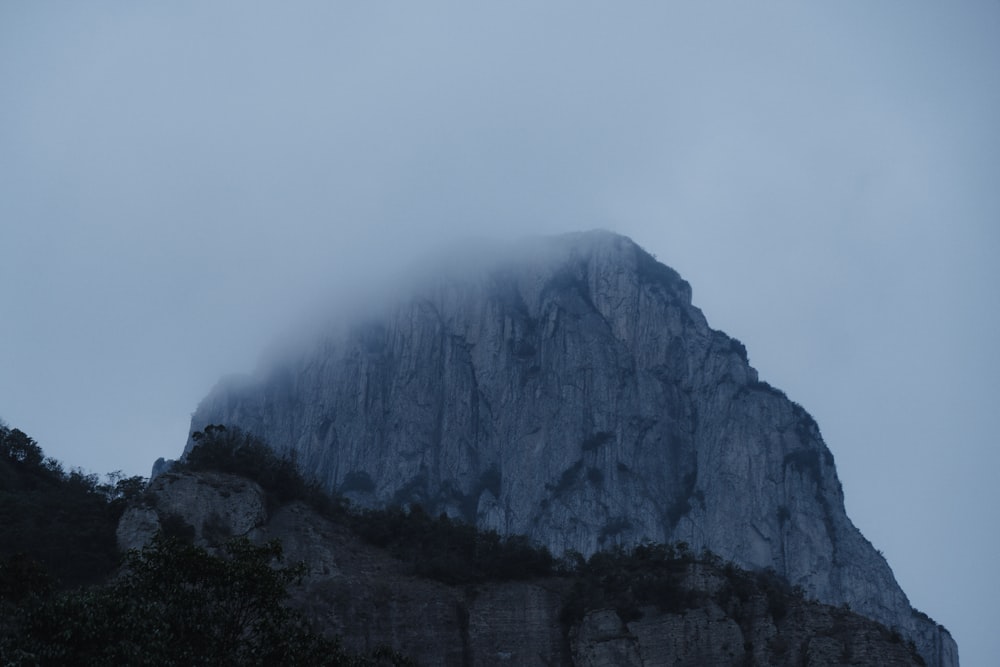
x=448, y=550
x=235, y=451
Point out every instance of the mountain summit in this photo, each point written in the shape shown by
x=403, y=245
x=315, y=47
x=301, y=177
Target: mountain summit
x=567, y=389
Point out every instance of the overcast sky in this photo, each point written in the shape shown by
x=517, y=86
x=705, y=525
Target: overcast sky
x=180, y=182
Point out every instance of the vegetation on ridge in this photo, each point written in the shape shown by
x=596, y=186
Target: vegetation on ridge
x=64, y=522
x=629, y=580
x=176, y=603
x=440, y=548
x=171, y=603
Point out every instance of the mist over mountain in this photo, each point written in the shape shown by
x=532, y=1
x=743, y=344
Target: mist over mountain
x=567, y=389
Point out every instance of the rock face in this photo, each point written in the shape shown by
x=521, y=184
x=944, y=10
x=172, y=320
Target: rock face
x=567, y=389
x=366, y=597
x=214, y=506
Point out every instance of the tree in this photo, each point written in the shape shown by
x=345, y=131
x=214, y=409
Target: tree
x=17, y=447
x=236, y=451
x=177, y=604
x=62, y=521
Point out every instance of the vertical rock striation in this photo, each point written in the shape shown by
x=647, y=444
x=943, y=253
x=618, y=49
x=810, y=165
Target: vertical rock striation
x=568, y=389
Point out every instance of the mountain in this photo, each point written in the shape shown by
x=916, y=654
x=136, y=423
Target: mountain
x=567, y=389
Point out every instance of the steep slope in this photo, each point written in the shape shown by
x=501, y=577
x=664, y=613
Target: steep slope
x=567, y=389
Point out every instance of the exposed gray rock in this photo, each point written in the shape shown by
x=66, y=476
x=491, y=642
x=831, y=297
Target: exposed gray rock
x=703, y=636
x=136, y=527
x=160, y=466
x=214, y=506
x=568, y=389
x=603, y=640
x=515, y=623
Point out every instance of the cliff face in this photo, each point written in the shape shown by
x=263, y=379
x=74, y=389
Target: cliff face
x=366, y=597
x=570, y=391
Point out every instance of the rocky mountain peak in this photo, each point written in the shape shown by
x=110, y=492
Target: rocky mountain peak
x=567, y=389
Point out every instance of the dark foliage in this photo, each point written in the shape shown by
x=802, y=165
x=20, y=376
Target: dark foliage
x=806, y=461
x=176, y=604
x=63, y=521
x=440, y=548
x=653, y=272
x=235, y=451
x=628, y=579
x=21, y=577
x=742, y=586
x=173, y=603
x=451, y=551
x=739, y=349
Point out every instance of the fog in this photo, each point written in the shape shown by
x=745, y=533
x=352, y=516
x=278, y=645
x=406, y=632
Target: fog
x=181, y=183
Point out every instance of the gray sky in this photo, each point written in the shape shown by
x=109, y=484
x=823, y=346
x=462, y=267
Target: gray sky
x=180, y=182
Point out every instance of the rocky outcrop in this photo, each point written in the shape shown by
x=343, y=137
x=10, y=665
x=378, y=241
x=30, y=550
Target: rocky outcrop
x=568, y=389
x=208, y=506
x=369, y=599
